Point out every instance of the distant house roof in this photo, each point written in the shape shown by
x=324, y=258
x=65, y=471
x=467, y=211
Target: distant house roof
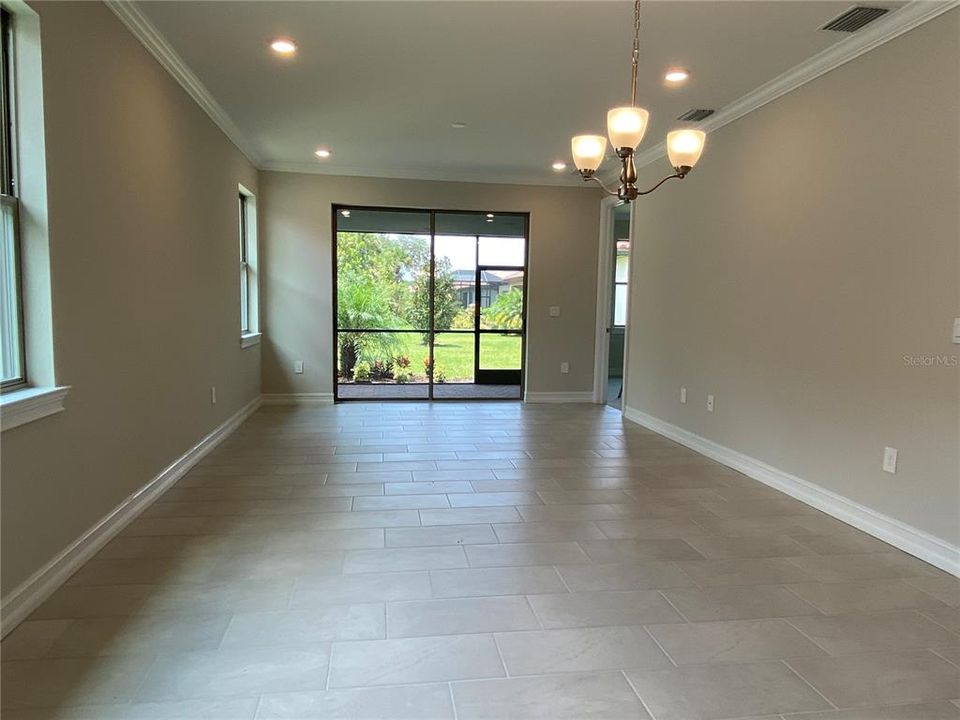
x=486, y=276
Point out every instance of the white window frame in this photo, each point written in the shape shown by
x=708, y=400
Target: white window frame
x=249, y=278
x=39, y=395
x=11, y=342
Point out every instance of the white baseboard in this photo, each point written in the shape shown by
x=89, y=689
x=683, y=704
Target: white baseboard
x=558, y=397
x=911, y=540
x=297, y=399
x=26, y=597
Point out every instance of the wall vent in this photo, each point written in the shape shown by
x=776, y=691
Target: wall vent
x=855, y=18
x=696, y=115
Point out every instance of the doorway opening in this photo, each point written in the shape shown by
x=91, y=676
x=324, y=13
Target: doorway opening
x=429, y=304
x=612, y=303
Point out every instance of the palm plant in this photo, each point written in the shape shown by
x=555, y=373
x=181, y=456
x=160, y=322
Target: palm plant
x=363, y=303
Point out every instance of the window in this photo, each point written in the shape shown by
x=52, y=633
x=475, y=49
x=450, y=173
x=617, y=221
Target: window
x=621, y=278
x=244, y=269
x=27, y=377
x=12, y=361
x=249, y=313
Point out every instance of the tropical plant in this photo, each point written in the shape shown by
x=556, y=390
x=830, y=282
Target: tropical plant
x=382, y=369
x=361, y=371
x=439, y=374
x=363, y=303
x=505, y=313
x=402, y=362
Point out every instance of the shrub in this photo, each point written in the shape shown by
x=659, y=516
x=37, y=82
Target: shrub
x=402, y=378
x=427, y=366
x=464, y=319
x=382, y=369
x=402, y=362
x=361, y=371
x=439, y=375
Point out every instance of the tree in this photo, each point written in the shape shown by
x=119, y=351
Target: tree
x=388, y=260
x=445, y=305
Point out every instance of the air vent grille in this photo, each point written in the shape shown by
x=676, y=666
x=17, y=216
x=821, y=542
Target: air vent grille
x=855, y=18
x=696, y=115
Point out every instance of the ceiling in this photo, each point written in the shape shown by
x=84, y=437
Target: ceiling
x=379, y=83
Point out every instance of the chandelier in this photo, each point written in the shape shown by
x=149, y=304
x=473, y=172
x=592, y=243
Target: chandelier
x=626, y=127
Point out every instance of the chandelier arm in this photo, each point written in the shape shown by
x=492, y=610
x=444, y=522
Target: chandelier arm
x=599, y=182
x=678, y=175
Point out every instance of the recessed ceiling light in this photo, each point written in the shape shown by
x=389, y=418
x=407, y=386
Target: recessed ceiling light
x=559, y=166
x=675, y=76
x=322, y=153
x=345, y=213
x=458, y=125
x=283, y=46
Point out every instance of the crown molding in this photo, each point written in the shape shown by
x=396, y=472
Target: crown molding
x=887, y=28
x=417, y=173
x=154, y=41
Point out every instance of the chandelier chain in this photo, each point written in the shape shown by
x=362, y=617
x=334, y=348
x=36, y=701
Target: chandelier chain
x=635, y=60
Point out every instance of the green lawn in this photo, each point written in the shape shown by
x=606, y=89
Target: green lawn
x=454, y=352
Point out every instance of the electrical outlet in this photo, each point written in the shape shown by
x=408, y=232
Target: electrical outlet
x=683, y=396
x=298, y=367
x=564, y=368
x=709, y=403
x=213, y=395
x=554, y=311
x=890, y=460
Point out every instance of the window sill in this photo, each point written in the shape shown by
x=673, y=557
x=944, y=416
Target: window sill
x=33, y=403
x=250, y=339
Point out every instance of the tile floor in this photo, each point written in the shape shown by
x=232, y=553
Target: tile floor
x=484, y=561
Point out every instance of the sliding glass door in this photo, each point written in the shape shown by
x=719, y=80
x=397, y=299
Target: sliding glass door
x=429, y=304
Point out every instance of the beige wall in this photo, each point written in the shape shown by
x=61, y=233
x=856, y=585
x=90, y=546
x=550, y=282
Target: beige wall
x=814, y=247
x=142, y=192
x=564, y=227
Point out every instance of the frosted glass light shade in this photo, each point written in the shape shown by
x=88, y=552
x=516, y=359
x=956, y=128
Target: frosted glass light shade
x=588, y=151
x=685, y=146
x=626, y=126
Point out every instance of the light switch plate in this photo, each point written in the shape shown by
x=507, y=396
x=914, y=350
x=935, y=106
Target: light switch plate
x=709, y=403
x=554, y=311
x=956, y=331
x=564, y=368
x=683, y=395
x=890, y=460
x=298, y=367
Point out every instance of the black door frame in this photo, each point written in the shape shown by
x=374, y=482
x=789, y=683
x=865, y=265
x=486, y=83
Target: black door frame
x=336, y=208
x=496, y=376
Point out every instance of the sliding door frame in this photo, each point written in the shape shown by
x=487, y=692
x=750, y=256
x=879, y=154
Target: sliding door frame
x=431, y=331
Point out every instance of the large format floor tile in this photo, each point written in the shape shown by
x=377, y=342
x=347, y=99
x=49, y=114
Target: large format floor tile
x=414, y=660
x=484, y=560
x=881, y=678
x=732, y=641
x=541, y=652
x=555, y=697
x=725, y=691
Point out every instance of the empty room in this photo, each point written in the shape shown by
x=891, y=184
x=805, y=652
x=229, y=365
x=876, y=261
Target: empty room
x=480, y=360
